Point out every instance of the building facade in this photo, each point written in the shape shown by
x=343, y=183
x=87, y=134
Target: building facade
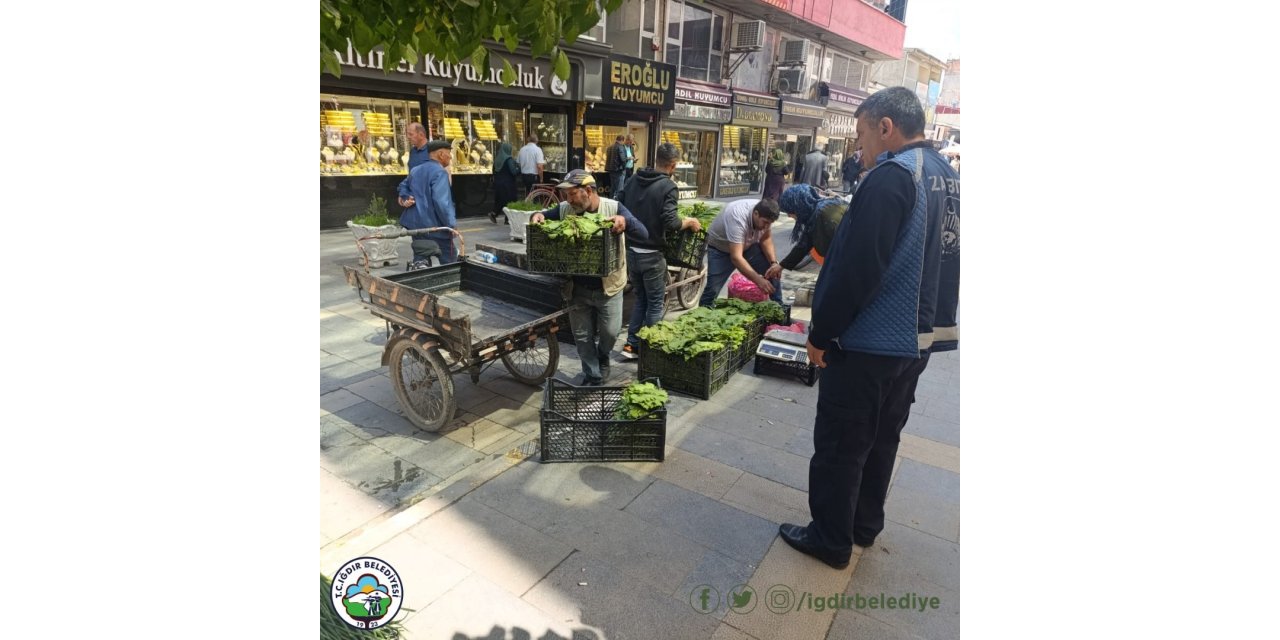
x=726, y=81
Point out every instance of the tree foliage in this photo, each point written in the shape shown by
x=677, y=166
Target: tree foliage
x=455, y=30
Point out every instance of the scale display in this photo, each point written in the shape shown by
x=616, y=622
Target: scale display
x=787, y=346
x=782, y=351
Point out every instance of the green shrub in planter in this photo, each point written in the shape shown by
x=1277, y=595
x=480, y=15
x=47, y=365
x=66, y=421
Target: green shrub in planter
x=375, y=220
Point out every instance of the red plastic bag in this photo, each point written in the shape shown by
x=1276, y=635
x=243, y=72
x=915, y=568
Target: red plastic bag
x=743, y=289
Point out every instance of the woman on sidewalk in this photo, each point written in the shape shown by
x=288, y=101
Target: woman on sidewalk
x=505, y=171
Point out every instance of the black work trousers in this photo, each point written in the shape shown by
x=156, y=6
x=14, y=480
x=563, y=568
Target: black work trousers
x=863, y=404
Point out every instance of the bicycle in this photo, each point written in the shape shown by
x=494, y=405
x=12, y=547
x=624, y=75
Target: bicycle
x=542, y=193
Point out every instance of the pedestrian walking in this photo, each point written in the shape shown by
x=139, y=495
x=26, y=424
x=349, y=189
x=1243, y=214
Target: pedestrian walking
x=532, y=162
x=505, y=172
x=615, y=165
x=775, y=172
x=428, y=202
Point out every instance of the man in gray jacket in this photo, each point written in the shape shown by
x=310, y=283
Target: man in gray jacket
x=815, y=162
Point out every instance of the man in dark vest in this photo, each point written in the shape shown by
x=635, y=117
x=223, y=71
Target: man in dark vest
x=886, y=299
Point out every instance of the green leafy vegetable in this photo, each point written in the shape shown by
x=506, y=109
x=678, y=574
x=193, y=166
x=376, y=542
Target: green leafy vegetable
x=639, y=399
x=525, y=205
x=698, y=331
x=772, y=312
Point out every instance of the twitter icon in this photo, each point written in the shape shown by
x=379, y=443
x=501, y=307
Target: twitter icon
x=742, y=599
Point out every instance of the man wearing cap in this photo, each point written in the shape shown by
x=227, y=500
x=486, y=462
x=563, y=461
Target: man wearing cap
x=596, y=303
x=428, y=202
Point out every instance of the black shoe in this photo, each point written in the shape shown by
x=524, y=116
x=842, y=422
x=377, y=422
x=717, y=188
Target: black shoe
x=604, y=371
x=592, y=382
x=799, y=539
x=865, y=544
x=493, y=217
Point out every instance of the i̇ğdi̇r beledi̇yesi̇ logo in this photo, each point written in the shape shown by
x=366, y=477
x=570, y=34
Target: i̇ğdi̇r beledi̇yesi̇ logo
x=366, y=593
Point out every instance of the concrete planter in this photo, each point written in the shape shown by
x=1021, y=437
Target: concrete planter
x=380, y=250
x=518, y=221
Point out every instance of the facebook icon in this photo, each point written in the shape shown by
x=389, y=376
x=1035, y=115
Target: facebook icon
x=704, y=598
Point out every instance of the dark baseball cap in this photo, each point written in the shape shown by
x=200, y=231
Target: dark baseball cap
x=577, y=178
x=436, y=145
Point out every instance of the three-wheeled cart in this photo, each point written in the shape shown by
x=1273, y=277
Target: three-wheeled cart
x=460, y=318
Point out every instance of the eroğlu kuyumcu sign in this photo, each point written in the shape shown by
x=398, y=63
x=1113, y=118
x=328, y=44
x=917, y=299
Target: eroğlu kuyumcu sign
x=631, y=81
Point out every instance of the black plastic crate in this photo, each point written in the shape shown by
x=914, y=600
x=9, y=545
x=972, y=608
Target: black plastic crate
x=579, y=424
x=700, y=376
x=599, y=255
x=802, y=371
x=682, y=249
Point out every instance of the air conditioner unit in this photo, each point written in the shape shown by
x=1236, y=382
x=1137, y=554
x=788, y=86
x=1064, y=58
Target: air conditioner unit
x=794, y=52
x=748, y=36
x=790, y=80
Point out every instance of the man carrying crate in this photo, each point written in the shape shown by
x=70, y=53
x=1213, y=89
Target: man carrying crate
x=652, y=199
x=596, y=315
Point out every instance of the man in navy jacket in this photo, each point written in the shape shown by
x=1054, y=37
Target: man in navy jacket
x=876, y=318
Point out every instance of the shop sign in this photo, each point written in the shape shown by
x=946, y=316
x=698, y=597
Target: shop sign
x=685, y=194
x=636, y=82
x=768, y=102
x=838, y=125
x=745, y=116
x=802, y=114
x=690, y=111
x=836, y=95
x=533, y=77
x=704, y=95
x=734, y=190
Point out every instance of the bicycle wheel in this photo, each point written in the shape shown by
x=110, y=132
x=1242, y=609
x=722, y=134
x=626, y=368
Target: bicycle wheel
x=689, y=294
x=422, y=385
x=534, y=363
x=545, y=198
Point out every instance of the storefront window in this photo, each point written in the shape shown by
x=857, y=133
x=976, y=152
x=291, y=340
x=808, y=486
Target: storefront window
x=794, y=146
x=742, y=152
x=834, y=148
x=553, y=131
x=364, y=136
x=476, y=133
x=697, y=161
x=599, y=139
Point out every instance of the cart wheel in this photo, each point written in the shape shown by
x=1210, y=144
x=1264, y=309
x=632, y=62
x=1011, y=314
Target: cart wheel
x=535, y=363
x=423, y=385
x=690, y=293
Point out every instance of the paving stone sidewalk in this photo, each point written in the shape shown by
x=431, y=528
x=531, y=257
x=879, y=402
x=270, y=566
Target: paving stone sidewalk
x=490, y=543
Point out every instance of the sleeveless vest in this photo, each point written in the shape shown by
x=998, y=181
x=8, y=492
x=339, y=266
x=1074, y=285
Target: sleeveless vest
x=888, y=326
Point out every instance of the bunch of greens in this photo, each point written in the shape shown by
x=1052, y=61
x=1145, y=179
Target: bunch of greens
x=575, y=228
x=772, y=312
x=525, y=205
x=375, y=215
x=705, y=214
x=639, y=399
x=702, y=329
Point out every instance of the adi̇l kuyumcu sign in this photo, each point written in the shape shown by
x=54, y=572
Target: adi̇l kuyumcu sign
x=636, y=82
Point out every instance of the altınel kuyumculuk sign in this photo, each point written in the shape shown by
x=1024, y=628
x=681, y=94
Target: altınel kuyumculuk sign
x=534, y=78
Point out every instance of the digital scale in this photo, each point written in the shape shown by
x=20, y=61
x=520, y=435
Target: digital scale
x=787, y=346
